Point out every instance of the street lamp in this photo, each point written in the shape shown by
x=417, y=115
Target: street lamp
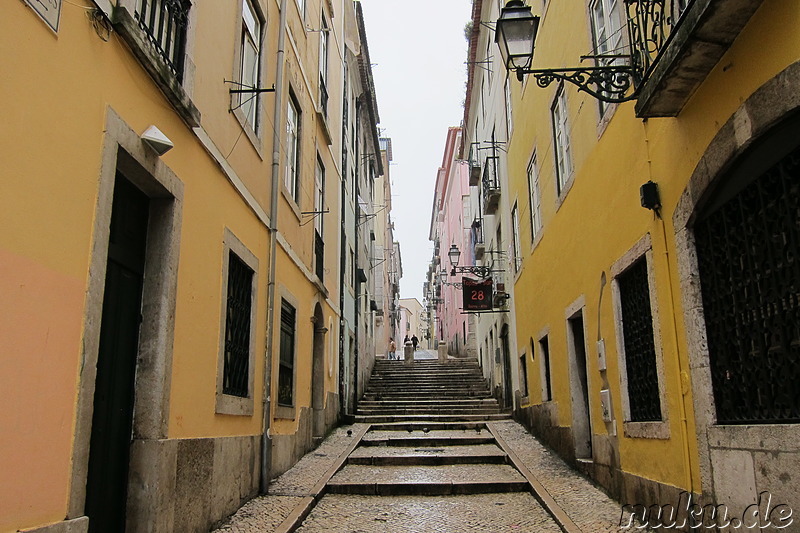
x=455, y=254
x=515, y=35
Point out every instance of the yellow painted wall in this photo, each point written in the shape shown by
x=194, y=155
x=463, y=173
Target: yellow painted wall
x=56, y=94
x=600, y=218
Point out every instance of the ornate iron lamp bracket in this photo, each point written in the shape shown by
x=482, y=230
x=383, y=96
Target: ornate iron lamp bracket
x=612, y=81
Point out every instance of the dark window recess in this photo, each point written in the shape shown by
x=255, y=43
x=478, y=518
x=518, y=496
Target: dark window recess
x=286, y=370
x=319, y=255
x=544, y=346
x=640, y=352
x=237, y=328
x=164, y=22
x=749, y=260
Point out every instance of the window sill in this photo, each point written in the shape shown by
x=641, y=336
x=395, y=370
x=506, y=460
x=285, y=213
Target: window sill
x=323, y=122
x=129, y=30
x=285, y=412
x=234, y=405
x=646, y=430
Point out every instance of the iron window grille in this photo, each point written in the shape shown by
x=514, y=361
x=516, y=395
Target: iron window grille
x=237, y=328
x=637, y=335
x=164, y=22
x=749, y=266
x=286, y=370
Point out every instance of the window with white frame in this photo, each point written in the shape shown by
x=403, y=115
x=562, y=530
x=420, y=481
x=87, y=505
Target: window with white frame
x=319, y=196
x=515, y=238
x=292, y=179
x=509, y=114
x=607, y=33
x=301, y=5
x=561, y=141
x=638, y=343
x=535, y=198
x=323, y=65
x=250, y=63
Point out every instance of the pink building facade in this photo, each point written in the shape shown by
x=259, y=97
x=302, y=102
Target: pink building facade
x=450, y=225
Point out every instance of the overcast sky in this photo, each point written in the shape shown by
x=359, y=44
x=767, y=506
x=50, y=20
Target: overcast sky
x=418, y=52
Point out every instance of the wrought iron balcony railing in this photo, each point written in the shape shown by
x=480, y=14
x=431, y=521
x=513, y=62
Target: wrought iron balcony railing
x=164, y=23
x=491, y=185
x=650, y=25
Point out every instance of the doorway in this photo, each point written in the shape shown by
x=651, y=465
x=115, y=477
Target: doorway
x=579, y=387
x=318, y=373
x=112, y=419
x=505, y=346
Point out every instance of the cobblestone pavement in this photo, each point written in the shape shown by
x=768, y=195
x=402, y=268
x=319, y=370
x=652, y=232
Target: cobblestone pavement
x=429, y=514
x=588, y=506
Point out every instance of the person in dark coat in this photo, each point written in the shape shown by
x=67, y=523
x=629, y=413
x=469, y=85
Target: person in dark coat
x=414, y=341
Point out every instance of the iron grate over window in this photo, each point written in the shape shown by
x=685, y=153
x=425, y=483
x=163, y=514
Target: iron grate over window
x=164, y=22
x=286, y=368
x=237, y=328
x=640, y=353
x=749, y=261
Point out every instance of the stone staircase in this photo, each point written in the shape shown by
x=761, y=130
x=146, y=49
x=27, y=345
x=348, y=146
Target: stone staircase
x=429, y=391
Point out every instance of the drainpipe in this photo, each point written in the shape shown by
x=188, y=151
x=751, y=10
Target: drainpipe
x=266, y=441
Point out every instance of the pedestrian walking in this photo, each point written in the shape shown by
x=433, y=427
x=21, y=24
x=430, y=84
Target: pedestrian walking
x=392, y=349
x=406, y=341
x=414, y=341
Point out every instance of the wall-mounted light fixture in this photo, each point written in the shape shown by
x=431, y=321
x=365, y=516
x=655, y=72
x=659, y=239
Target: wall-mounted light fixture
x=649, y=197
x=155, y=139
x=515, y=34
x=454, y=254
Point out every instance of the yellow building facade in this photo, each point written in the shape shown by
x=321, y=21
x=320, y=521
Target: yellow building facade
x=170, y=200
x=628, y=376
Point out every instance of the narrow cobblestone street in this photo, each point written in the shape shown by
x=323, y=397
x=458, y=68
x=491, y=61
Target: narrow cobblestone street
x=414, y=476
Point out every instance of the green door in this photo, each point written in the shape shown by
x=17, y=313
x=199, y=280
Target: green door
x=106, y=487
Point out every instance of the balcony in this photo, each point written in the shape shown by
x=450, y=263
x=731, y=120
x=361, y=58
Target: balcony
x=474, y=166
x=676, y=44
x=491, y=186
x=476, y=235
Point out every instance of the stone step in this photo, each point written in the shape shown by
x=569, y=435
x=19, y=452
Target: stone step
x=430, y=410
x=429, y=480
x=429, y=442
x=429, y=425
x=428, y=456
x=376, y=419
x=471, y=402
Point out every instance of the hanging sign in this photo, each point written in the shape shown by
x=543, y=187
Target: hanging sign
x=49, y=10
x=477, y=294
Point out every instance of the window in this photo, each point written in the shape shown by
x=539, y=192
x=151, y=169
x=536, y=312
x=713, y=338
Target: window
x=523, y=375
x=319, y=207
x=301, y=5
x=644, y=404
x=237, y=327
x=250, y=71
x=323, y=66
x=515, y=238
x=561, y=140
x=292, y=180
x=237, y=334
x=509, y=114
x=286, y=370
x=165, y=22
x=544, y=350
x=607, y=33
x=535, y=198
